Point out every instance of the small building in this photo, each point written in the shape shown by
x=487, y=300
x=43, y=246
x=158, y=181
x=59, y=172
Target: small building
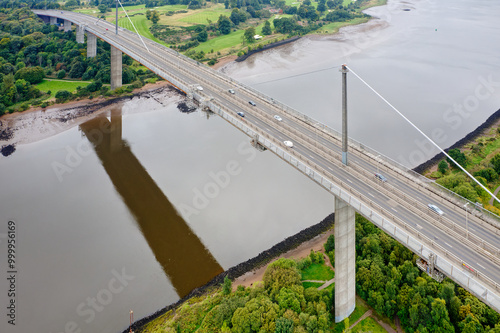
x=257, y=37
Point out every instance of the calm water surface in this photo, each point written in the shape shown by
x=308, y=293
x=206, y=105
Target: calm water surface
x=134, y=208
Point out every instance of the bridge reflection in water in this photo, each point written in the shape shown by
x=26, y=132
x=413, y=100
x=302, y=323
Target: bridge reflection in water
x=184, y=258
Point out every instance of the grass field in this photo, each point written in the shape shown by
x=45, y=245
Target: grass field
x=141, y=23
x=202, y=16
x=311, y=284
x=368, y=325
x=55, y=86
x=318, y=272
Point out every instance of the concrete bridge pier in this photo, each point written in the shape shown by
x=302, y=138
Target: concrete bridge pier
x=116, y=68
x=91, y=45
x=345, y=260
x=53, y=20
x=80, y=34
x=67, y=25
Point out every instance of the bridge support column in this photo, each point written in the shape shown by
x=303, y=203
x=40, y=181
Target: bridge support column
x=91, y=45
x=345, y=260
x=67, y=25
x=116, y=68
x=53, y=20
x=80, y=34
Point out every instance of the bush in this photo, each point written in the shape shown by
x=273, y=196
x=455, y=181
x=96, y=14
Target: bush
x=489, y=174
x=61, y=74
x=63, y=95
x=442, y=167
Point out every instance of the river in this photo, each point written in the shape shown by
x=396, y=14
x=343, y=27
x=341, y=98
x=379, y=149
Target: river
x=132, y=208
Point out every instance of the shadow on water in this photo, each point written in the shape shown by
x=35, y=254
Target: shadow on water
x=184, y=258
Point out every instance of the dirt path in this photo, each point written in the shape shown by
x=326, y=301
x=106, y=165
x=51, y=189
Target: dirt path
x=365, y=315
x=303, y=250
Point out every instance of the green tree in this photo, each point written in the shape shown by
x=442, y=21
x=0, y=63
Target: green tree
x=279, y=274
x=61, y=74
x=284, y=325
x=63, y=95
x=266, y=29
x=102, y=8
x=443, y=167
x=249, y=35
x=224, y=25
x=33, y=75
x=155, y=17
x=226, y=286
x=458, y=156
x=149, y=12
x=489, y=174
x=202, y=36
x=495, y=162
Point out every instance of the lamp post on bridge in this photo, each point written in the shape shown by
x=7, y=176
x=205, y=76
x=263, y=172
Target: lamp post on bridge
x=466, y=221
x=116, y=23
x=344, y=71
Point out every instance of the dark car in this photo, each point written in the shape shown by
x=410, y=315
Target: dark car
x=380, y=177
x=252, y=103
x=241, y=114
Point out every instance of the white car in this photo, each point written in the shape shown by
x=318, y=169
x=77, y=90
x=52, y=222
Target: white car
x=289, y=144
x=231, y=91
x=200, y=88
x=435, y=209
x=278, y=118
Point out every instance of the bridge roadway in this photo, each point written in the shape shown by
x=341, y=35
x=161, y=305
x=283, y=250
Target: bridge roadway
x=402, y=199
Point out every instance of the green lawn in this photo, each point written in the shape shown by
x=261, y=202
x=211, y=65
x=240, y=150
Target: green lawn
x=221, y=42
x=368, y=325
x=55, y=86
x=359, y=310
x=202, y=17
x=142, y=25
x=318, y=272
x=311, y=284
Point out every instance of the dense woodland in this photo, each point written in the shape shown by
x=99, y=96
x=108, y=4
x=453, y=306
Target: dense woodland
x=386, y=278
x=31, y=51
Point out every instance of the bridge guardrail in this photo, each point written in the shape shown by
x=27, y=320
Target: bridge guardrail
x=322, y=180
x=453, y=269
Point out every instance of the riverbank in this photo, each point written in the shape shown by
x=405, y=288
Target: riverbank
x=37, y=123
x=431, y=164
x=253, y=264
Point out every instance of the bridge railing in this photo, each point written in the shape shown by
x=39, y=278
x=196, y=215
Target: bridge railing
x=376, y=156
x=463, y=273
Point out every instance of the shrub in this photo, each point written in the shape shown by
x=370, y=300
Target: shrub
x=61, y=74
x=443, y=166
x=63, y=95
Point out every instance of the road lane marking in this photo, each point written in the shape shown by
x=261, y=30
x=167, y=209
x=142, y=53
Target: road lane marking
x=394, y=210
x=371, y=194
x=330, y=168
x=419, y=226
x=481, y=265
x=448, y=245
x=470, y=229
x=350, y=181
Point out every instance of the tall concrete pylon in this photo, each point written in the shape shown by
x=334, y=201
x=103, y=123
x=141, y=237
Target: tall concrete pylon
x=67, y=25
x=116, y=68
x=80, y=34
x=344, y=71
x=91, y=45
x=345, y=260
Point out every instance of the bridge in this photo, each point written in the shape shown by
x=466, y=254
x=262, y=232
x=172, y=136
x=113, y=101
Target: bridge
x=461, y=244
